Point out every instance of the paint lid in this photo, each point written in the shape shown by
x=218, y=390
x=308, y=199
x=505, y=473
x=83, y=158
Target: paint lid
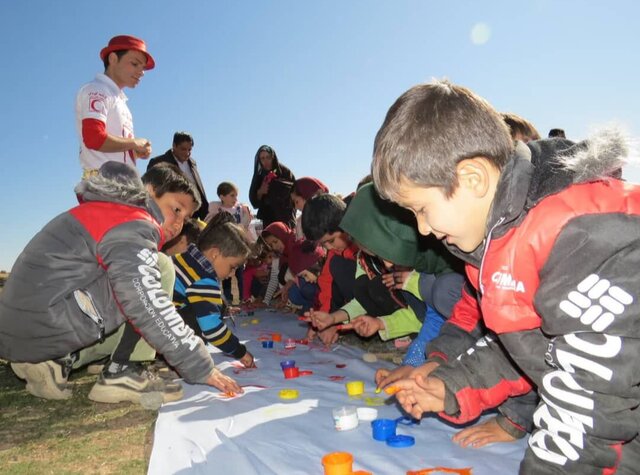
x=398, y=441
x=289, y=394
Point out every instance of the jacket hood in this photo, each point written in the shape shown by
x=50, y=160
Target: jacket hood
x=388, y=231
x=118, y=183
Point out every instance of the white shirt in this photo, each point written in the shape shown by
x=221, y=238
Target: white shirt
x=186, y=169
x=103, y=100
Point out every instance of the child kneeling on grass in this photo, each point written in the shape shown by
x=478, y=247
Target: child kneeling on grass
x=221, y=249
x=90, y=270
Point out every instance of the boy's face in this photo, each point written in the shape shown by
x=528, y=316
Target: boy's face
x=128, y=70
x=275, y=244
x=336, y=241
x=298, y=201
x=175, y=207
x=459, y=220
x=229, y=200
x=225, y=266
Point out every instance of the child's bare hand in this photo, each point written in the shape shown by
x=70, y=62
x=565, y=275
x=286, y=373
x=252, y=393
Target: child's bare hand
x=329, y=335
x=310, y=277
x=418, y=395
x=384, y=377
x=319, y=320
x=395, y=280
x=224, y=383
x=483, y=434
x=423, y=370
x=365, y=325
x=247, y=360
x=311, y=333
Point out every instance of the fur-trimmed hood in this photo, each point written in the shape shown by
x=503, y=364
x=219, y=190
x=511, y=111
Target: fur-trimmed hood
x=115, y=182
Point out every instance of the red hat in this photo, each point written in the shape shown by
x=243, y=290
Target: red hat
x=125, y=42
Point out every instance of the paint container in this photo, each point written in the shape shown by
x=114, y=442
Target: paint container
x=287, y=364
x=289, y=394
x=367, y=413
x=267, y=344
x=345, y=418
x=276, y=337
x=382, y=429
x=355, y=388
x=289, y=344
x=290, y=373
x=338, y=463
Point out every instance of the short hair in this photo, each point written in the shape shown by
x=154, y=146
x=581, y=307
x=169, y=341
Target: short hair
x=520, y=126
x=557, y=133
x=119, y=53
x=190, y=229
x=180, y=137
x=322, y=215
x=225, y=235
x=167, y=178
x=429, y=130
x=225, y=188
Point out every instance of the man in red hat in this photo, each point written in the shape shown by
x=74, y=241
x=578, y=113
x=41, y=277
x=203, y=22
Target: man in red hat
x=103, y=120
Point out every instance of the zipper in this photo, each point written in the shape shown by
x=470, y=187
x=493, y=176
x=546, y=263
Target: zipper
x=486, y=251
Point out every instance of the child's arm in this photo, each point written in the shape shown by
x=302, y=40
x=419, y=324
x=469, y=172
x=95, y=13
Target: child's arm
x=129, y=255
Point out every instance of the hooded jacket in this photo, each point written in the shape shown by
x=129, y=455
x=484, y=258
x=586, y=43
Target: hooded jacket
x=276, y=205
x=88, y=271
x=557, y=281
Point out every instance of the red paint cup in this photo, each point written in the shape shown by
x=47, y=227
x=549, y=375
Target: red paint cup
x=290, y=373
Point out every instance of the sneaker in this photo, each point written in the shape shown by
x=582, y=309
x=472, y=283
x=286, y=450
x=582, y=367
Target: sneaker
x=48, y=379
x=97, y=366
x=133, y=383
x=161, y=369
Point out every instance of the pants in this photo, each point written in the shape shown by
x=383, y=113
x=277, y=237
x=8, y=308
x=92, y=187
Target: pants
x=343, y=273
x=303, y=293
x=126, y=344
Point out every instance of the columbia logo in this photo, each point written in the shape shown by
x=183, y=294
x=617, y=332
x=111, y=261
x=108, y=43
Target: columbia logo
x=596, y=302
x=148, y=257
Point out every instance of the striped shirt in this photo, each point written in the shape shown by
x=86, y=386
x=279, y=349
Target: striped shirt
x=197, y=295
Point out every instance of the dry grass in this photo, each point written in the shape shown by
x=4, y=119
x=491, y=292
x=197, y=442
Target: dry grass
x=72, y=436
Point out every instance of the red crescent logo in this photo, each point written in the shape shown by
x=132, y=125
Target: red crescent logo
x=96, y=105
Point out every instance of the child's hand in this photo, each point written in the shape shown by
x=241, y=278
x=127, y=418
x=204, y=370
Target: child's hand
x=365, y=325
x=482, y=434
x=384, y=377
x=423, y=370
x=223, y=383
x=320, y=320
x=247, y=360
x=284, y=291
x=329, y=335
x=395, y=280
x=419, y=395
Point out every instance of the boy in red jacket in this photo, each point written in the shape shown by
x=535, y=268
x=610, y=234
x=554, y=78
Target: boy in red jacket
x=552, y=252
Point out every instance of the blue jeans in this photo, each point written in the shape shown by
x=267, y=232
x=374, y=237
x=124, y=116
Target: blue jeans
x=304, y=295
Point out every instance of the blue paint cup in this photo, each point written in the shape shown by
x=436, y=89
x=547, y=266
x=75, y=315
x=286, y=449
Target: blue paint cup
x=267, y=344
x=287, y=364
x=383, y=429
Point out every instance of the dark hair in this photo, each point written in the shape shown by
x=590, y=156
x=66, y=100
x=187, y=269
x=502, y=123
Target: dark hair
x=429, y=130
x=225, y=188
x=119, y=54
x=190, y=229
x=520, y=126
x=167, y=178
x=224, y=234
x=180, y=137
x=557, y=133
x=365, y=179
x=322, y=215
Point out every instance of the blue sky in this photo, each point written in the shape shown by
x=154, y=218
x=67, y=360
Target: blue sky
x=312, y=79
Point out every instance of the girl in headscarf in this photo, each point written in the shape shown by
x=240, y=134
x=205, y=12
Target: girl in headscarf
x=304, y=189
x=271, y=188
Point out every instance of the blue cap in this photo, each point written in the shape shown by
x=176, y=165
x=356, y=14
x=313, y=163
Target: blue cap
x=398, y=441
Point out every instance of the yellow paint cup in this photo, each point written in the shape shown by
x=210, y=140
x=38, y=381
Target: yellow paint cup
x=355, y=388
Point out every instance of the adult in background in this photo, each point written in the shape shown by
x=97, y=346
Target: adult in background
x=270, y=190
x=180, y=155
x=103, y=120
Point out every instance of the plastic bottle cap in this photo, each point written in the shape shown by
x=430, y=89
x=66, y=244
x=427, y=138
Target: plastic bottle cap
x=289, y=394
x=398, y=441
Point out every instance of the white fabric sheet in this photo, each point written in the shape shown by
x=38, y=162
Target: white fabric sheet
x=259, y=433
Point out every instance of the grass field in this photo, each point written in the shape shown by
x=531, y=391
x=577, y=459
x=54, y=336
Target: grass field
x=71, y=436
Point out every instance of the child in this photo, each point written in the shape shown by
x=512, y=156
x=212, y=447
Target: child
x=222, y=248
x=321, y=223
x=553, y=250
x=189, y=234
x=388, y=240
x=295, y=256
x=304, y=189
x=228, y=194
x=89, y=271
